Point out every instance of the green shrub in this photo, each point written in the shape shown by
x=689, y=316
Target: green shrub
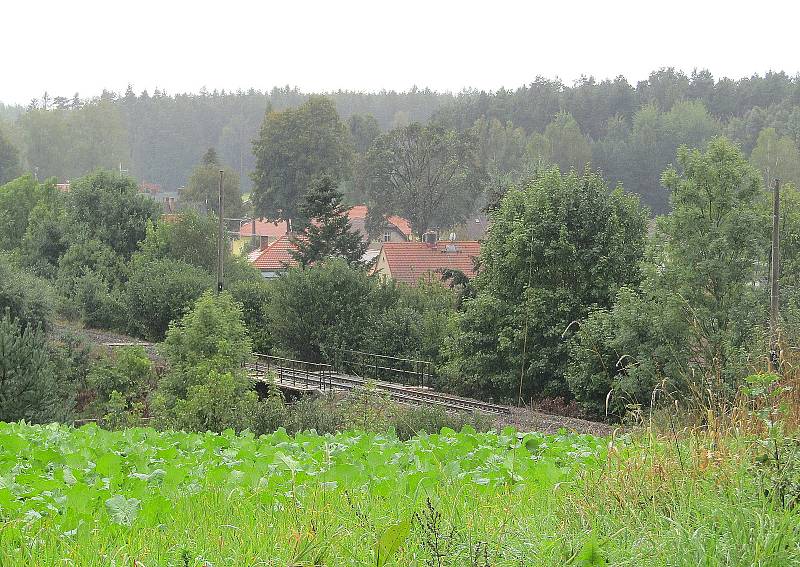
x=26, y=298
x=128, y=372
x=161, y=291
x=222, y=401
x=316, y=310
x=212, y=331
x=254, y=296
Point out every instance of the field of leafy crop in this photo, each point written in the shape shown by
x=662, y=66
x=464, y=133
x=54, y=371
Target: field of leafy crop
x=89, y=497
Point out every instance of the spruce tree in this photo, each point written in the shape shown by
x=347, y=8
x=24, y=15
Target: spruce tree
x=326, y=227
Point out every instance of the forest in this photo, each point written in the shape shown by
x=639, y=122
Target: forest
x=628, y=132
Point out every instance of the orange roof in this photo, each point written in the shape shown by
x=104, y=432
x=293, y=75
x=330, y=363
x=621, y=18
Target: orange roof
x=402, y=224
x=263, y=228
x=409, y=261
x=276, y=256
x=360, y=212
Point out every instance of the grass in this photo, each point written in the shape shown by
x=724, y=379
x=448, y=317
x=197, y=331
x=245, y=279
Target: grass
x=451, y=499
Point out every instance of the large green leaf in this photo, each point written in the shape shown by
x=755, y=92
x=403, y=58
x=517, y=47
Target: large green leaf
x=390, y=541
x=122, y=510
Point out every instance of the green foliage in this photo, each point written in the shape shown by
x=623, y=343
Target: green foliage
x=30, y=387
x=110, y=208
x=191, y=238
x=558, y=246
x=426, y=174
x=160, y=291
x=348, y=495
x=46, y=238
x=316, y=310
x=9, y=159
x=254, y=296
x=128, y=373
x=206, y=387
x=410, y=321
x=222, y=401
x=363, y=131
x=85, y=257
x=325, y=227
x=202, y=190
x=24, y=297
x=17, y=200
x=293, y=148
x=714, y=248
x=776, y=157
x=562, y=144
x=212, y=331
x=777, y=465
x=684, y=329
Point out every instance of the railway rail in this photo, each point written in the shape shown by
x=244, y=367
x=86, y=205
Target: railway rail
x=307, y=377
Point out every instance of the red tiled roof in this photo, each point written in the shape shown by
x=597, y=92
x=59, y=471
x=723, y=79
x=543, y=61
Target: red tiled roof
x=263, y=228
x=276, y=256
x=402, y=225
x=409, y=261
x=360, y=212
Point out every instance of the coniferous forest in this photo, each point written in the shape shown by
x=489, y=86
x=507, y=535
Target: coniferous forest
x=628, y=132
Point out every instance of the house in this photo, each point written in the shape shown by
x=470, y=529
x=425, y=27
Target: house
x=409, y=261
x=151, y=189
x=263, y=230
x=274, y=258
x=395, y=229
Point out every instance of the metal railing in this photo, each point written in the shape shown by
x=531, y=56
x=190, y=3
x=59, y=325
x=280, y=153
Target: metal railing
x=407, y=371
x=292, y=372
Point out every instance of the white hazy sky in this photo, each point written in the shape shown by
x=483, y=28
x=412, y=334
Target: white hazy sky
x=85, y=46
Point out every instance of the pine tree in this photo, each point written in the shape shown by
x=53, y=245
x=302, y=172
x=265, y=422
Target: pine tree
x=29, y=383
x=210, y=157
x=326, y=227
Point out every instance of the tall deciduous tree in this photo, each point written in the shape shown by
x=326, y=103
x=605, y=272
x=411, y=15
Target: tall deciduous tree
x=326, y=230
x=562, y=143
x=110, y=208
x=558, y=245
x=682, y=328
x=294, y=147
x=776, y=157
x=427, y=174
x=203, y=188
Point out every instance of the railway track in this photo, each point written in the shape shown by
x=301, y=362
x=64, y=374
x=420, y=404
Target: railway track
x=327, y=381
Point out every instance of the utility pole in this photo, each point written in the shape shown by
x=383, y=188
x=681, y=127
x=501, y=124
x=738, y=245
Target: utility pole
x=774, y=276
x=220, y=238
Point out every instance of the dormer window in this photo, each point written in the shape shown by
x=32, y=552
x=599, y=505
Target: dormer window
x=387, y=236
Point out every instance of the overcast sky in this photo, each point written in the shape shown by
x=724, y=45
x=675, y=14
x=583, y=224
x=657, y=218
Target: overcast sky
x=85, y=46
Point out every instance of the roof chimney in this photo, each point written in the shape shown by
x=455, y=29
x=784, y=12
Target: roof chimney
x=429, y=238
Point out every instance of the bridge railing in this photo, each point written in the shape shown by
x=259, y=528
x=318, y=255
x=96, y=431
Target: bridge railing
x=292, y=372
x=406, y=371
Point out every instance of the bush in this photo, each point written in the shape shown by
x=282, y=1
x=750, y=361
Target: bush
x=27, y=299
x=161, y=291
x=213, y=331
x=222, y=401
x=316, y=310
x=128, y=372
x=98, y=305
x=255, y=296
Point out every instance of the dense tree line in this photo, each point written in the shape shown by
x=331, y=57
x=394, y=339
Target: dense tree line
x=629, y=132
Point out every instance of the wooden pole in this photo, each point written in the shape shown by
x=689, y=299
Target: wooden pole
x=774, y=277
x=220, y=238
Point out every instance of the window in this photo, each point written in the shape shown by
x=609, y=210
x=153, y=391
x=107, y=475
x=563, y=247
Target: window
x=387, y=236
